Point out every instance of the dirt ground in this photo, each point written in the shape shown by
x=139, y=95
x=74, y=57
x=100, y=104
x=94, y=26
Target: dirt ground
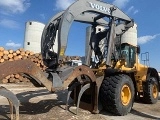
x=39, y=104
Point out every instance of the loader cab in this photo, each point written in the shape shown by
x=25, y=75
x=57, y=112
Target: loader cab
x=128, y=52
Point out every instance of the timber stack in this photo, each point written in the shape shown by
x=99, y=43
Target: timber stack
x=21, y=54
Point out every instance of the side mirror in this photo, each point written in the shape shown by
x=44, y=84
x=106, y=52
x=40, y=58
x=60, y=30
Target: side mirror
x=138, y=49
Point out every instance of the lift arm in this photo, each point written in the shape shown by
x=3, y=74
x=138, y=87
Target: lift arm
x=86, y=11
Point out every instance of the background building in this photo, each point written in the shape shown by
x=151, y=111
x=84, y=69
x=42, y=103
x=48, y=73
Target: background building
x=32, y=39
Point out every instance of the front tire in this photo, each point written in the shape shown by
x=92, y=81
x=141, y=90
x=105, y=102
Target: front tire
x=117, y=94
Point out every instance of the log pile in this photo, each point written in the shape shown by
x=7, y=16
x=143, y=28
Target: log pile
x=15, y=78
x=19, y=54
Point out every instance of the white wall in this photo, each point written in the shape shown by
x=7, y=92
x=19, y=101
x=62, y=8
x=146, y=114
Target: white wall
x=33, y=32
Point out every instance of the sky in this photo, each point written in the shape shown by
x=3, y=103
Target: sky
x=15, y=13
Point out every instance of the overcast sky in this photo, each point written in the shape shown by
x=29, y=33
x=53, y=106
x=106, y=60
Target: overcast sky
x=14, y=14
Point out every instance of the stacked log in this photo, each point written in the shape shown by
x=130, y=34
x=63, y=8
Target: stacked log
x=15, y=78
x=19, y=54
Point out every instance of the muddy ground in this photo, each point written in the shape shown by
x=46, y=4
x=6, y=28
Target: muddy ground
x=39, y=104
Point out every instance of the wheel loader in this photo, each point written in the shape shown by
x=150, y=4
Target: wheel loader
x=111, y=76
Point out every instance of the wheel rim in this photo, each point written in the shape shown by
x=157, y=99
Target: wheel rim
x=155, y=91
x=125, y=95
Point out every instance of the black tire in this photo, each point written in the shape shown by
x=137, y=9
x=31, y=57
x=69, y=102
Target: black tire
x=149, y=96
x=110, y=94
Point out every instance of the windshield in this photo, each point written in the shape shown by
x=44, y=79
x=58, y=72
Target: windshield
x=129, y=53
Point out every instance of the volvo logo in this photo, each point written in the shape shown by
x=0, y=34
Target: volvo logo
x=99, y=7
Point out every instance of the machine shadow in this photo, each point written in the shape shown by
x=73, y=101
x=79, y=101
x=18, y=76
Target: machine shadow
x=44, y=106
x=138, y=113
x=135, y=112
x=32, y=108
x=3, y=115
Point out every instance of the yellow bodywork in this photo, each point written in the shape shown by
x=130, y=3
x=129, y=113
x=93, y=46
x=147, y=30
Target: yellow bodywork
x=139, y=70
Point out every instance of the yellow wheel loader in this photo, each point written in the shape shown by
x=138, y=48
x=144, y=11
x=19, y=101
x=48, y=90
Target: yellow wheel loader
x=111, y=55
x=111, y=75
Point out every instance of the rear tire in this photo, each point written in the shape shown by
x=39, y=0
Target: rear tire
x=151, y=91
x=117, y=94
